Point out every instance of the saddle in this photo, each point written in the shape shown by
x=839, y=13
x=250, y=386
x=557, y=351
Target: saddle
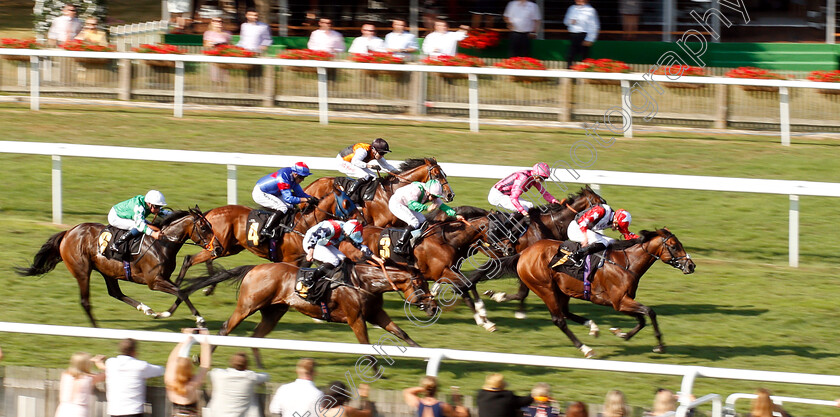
x=108, y=248
x=389, y=239
x=317, y=292
x=256, y=221
x=359, y=190
x=585, y=271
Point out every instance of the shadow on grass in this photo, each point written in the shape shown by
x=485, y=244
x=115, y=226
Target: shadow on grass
x=716, y=353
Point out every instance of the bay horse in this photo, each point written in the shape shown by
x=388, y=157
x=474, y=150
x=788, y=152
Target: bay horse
x=376, y=212
x=270, y=289
x=614, y=285
x=79, y=249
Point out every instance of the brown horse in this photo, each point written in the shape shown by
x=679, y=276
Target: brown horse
x=376, y=212
x=270, y=289
x=613, y=285
x=79, y=249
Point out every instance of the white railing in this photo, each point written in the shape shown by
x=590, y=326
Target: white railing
x=638, y=79
x=435, y=357
x=596, y=177
x=593, y=177
x=729, y=408
x=134, y=34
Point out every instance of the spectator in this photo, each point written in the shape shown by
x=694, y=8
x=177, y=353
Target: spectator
x=523, y=19
x=92, y=34
x=254, y=35
x=427, y=405
x=64, y=27
x=177, y=9
x=763, y=406
x=583, y=24
x=483, y=10
x=76, y=385
x=399, y=42
x=326, y=39
x=457, y=400
x=181, y=384
x=125, y=378
x=615, y=405
x=495, y=401
x=577, y=409
x=630, y=11
x=664, y=402
x=337, y=393
x=300, y=396
x=431, y=14
x=213, y=37
x=442, y=41
x=233, y=389
x=541, y=393
x=368, y=42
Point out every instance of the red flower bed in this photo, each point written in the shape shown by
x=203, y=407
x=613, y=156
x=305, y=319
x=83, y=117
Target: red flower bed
x=20, y=43
x=376, y=58
x=601, y=65
x=825, y=76
x=306, y=54
x=521, y=62
x=160, y=48
x=480, y=39
x=82, y=46
x=230, y=50
x=680, y=70
x=459, y=60
x=754, y=73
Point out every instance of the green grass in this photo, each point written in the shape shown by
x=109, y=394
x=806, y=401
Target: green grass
x=743, y=308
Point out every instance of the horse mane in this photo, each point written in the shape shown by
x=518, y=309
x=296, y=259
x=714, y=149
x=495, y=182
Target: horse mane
x=644, y=236
x=412, y=163
x=172, y=218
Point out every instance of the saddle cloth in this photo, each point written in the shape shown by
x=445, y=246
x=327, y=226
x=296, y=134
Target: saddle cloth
x=256, y=220
x=561, y=263
x=107, y=244
x=388, y=239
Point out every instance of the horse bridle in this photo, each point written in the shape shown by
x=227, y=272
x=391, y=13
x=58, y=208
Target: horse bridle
x=675, y=260
x=414, y=283
x=201, y=222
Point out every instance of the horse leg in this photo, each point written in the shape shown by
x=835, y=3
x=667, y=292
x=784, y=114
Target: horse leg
x=210, y=272
x=556, y=302
x=481, y=313
x=383, y=320
x=271, y=314
x=77, y=269
x=167, y=286
x=633, y=308
x=114, y=291
x=594, y=330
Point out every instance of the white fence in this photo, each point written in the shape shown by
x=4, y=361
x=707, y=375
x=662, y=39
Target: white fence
x=638, y=80
x=134, y=34
x=436, y=357
x=594, y=177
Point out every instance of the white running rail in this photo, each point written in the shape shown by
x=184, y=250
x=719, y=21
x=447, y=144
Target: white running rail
x=128, y=36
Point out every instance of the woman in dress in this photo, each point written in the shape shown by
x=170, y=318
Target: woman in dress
x=181, y=384
x=213, y=37
x=76, y=385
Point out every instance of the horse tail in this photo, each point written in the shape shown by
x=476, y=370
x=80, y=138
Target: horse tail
x=236, y=274
x=46, y=259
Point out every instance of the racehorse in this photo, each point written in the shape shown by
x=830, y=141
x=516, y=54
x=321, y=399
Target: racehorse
x=376, y=212
x=613, y=285
x=270, y=289
x=79, y=249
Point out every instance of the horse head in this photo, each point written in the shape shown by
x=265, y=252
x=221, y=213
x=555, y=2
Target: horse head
x=417, y=293
x=202, y=233
x=584, y=199
x=426, y=169
x=490, y=238
x=664, y=245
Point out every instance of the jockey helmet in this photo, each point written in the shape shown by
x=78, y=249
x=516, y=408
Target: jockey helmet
x=541, y=169
x=622, y=220
x=380, y=145
x=301, y=169
x=434, y=188
x=155, y=198
x=353, y=230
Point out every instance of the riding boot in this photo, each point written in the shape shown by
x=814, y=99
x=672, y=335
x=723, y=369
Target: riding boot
x=322, y=271
x=401, y=247
x=346, y=268
x=580, y=254
x=270, y=224
x=416, y=233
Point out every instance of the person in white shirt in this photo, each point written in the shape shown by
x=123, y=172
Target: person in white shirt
x=233, y=389
x=442, y=41
x=523, y=19
x=125, y=378
x=583, y=24
x=300, y=397
x=399, y=42
x=254, y=35
x=368, y=42
x=326, y=39
x=65, y=27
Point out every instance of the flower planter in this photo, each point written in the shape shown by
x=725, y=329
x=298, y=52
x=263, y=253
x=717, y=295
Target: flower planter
x=16, y=57
x=453, y=76
x=240, y=67
x=93, y=62
x=160, y=64
x=305, y=70
x=529, y=80
x=397, y=75
x=686, y=86
x=829, y=92
x=602, y=82
x=760, y=88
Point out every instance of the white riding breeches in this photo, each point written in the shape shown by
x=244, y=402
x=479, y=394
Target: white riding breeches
x=351, y=170
x=412, y=218
x=498, y=199
x=119, y=222
x=268, y=200
x=328, y=254
x=591, y=236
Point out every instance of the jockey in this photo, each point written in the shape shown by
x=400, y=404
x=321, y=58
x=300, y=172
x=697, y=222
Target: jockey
x=408, y=202
x=279, y=191
x=131, y=215
x=505, y=193
x=587, y=226
x=356, y=161
x=321, y=243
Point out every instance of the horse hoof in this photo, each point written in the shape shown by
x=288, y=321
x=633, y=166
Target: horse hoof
x=498, y=297
x=659, y=349
x=435, y=289
x=209, y=290
x=588, y=352
x=489, y=326
x=595, y=332
x=520, y=315
x=616, y=331
x=199, y=322
x=489, y=292
x=164, y=315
